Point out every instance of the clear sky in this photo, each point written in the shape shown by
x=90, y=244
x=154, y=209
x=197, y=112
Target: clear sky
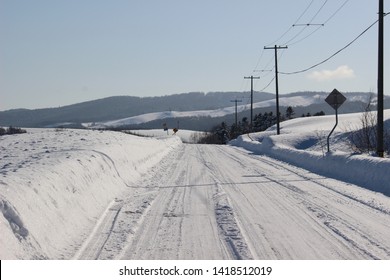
x=59, y=52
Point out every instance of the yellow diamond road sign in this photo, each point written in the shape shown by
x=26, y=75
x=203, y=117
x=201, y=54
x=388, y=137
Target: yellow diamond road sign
x=335, y=99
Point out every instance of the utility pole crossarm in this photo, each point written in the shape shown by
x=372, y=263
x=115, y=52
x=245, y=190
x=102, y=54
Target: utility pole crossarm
x=275, y=47
x=309, y=24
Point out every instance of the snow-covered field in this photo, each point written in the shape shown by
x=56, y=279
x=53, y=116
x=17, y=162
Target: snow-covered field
x=84, y=194
x=283, y=101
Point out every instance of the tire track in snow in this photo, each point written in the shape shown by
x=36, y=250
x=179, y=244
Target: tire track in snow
x=278, y=164
x=229, y=228
x=194, y=205
x=182, y=223
x=135, y=210
x=247, y=227
x=339, y=225
x=121, y=219
x=118, y=223
x=91, y=247
x=165, y=214
x=352, y=233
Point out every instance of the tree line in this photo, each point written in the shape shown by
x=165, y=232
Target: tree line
x=223, y=133
x=11, y=130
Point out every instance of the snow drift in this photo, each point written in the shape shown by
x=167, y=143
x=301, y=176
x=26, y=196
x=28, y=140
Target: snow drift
x=54, y=184
x=302, y=143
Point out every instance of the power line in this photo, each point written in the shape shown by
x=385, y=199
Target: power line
x=333, y=55
x=336, y=12
x=319, y=25
x=263, y=89
x=267, y=65
x=307, y=36
x=304, y=12
x=291, y=27
x=259, y=60
x=305, y=25
x=296, y=23
x=296, y=35
x=280, y=55
x=323, y=5
x=271, y=70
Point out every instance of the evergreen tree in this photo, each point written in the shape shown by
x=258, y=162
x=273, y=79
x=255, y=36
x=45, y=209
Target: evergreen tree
x=289, y=112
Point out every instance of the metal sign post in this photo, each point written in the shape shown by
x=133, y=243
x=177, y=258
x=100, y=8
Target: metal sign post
x=335, y=99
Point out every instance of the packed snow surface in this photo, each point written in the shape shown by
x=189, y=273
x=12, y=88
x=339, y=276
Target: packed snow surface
x=187, y=136
x=83, y=194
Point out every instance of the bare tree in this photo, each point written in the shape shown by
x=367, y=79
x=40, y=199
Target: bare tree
x=363, y=139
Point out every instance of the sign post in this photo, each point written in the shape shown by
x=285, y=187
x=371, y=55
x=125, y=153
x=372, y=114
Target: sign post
x=335, y=99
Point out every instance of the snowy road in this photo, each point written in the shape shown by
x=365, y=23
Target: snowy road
x=221, y=202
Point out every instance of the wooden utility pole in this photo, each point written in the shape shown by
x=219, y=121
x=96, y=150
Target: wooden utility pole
x=251, y=77
x=380, y=148
x=235, y=101
x=277, y=85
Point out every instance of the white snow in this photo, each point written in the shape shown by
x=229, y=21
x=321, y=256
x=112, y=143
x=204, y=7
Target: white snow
x=303, y=142
x=88, y=194
x=54, y=185
x=187, y=136
x=283, y=101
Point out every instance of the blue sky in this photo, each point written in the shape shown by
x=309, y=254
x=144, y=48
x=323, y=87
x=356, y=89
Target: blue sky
x=59, y=52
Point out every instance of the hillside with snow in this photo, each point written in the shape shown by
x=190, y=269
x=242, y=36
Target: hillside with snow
x=193, y=111
x=310, y=102
x=85, y=194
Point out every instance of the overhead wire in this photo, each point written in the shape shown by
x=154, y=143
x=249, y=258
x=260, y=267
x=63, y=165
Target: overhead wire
x=336, y=12
x=280, y=55
x=305, y=37
x=259, y=60
x=291, y=27
x=323, y=5
x=319, y=27
x=291, y=39
x=263, y=89
x=306, y=25
x=333, y=55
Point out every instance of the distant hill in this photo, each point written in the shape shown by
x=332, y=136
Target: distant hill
x=117, y=107
x=134, y=112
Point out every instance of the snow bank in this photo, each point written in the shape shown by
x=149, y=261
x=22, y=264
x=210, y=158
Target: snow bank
x=54, y=184
x=302, y=143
